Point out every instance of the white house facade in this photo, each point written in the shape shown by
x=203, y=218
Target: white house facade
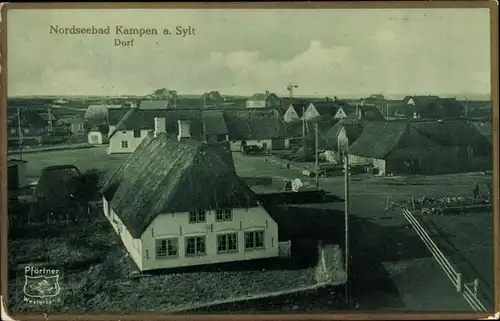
x=95, y=137
x=203, y=237
x=126, y=141
x=311, y=112
x=291, y=114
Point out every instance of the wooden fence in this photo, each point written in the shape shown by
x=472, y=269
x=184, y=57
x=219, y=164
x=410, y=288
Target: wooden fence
x=468, y=291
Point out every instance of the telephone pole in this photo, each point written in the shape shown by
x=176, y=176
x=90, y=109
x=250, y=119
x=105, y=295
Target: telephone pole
x=20, y=133
x=346, y=222
x=316, y=153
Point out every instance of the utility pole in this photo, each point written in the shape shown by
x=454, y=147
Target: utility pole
x=204, y=101
x=316, y=153
x=20, y=133
x=466, y=109
x=175, y=101
x=49, y=127
x=346, y=222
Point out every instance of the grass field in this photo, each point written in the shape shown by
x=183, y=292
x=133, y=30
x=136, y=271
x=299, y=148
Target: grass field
x=386, y=252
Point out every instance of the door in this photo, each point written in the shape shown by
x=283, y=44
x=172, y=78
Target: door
x=13, y=177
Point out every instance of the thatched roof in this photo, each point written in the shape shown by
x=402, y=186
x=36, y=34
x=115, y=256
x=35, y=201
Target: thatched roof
x=329, y=107
x=164, y=175
x=143, y=119
x=99, y=111
x=154, y=104
x=255, y=124
x=378, y=139
x=451, y=133
x=352, y=127
x=214, y=123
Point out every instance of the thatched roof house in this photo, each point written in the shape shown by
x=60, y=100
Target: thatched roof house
x=255, y=124
x=347, y=129
x=438, y=146
x=143, y=119
x=164, y=175
x=99, y=113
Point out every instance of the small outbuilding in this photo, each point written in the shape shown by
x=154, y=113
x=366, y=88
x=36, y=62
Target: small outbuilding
x=16, y=174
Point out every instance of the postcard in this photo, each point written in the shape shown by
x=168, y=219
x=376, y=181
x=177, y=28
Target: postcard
x=250, y=158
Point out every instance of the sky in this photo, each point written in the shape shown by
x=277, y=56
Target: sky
x=342, y=52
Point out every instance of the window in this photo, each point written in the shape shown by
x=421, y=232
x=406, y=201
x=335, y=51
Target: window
x=224, y=215
x=124, y=144
x=195, y=245
x=137, y=133
x=167, y=248
x=254, y=240
x=227, y=243
x=197, y=216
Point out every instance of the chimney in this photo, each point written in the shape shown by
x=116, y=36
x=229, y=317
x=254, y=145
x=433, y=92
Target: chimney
x=184, y=129
x=160, y=125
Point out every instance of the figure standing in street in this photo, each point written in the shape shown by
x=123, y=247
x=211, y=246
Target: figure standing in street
x=475, y=191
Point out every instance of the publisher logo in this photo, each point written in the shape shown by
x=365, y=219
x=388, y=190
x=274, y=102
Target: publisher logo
x=41, y=285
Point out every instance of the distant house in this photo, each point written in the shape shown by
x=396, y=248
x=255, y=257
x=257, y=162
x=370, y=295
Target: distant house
x=434, y=107
x=263, y=127
x=327, y=109
x=74, y=124
x=214, y=126
x=16, y=175
x=344, y=133
x=477, y=110
x=263, y=100
x=178, y=203
x=362, y=111
x=98, y=135
x=294, y=110
x=424, y=147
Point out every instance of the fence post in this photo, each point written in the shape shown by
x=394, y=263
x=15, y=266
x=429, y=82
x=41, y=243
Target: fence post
x=459, y=282
x=413, y=203
x=387, y=203
x=476, y=285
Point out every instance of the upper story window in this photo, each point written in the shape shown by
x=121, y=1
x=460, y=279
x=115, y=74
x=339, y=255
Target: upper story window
x=198, y=216
x=137, y=133
x=224, y=215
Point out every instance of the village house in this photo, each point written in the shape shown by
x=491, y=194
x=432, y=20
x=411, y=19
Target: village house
x=136, y=123
x=97, y=114
x=75, y=124
x=423, y=147
x=178, y=203
x=325, y=108
x=294, y=110
x=263, y=100
x=98, y=135
x=434, y=107
x=342, y=135
x=16, y=175
x=262, y=127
